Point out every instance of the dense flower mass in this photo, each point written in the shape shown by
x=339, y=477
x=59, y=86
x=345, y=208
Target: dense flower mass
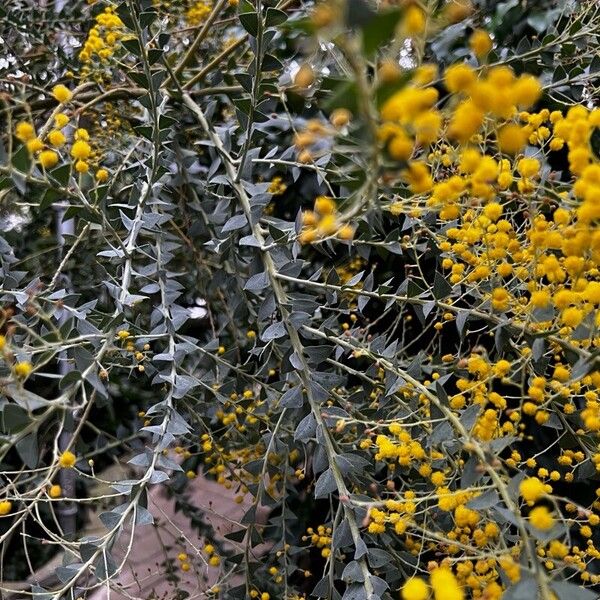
x=339, y=261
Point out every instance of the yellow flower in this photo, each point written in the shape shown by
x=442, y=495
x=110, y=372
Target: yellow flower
x=480, y=43
x=345, y=232
x=57, y=138
x=24, y=131
x=427, y=126
x=340, y=117
x=445, y=586
x=327, y=225
x=541, y=518
x=540, y=299
x=526, y=91
x=81, y=150
x=23, y=369
x=34, y=145
x=532, y=489
x=5, y=507
x=325, y=205
x=466, y=121
x=101, y=175
x=55, y=491
x=457, y=10
x=458, y=78
x=61, y=120
x=528, y=167
x=418, y=177
x=48, y=159
x=400, y=147
x=81, y=166
x=511, y=138
x=493, y=211
x=67, y=460
x=2, y=342
x=61, y=93
x=214, y=561
x=500, y=299
x=82, y=134
x=198, y=12
x=305, y=76
x=414, y=20
x=415, y=589
x=572, y=316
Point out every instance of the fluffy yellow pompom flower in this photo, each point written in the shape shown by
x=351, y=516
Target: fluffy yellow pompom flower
x=48, y=159
x=541, y=518
x=493, y=211
x=35, y=145
x=57, y=138
x=414, y=20
x=526, y=91
x=5, y=507
x=67, y=460
x=400, y=147
x=511, y=138
x=24, y=131
x=572, y=316
x=101, y=175
x=532, y=489
x=415, y=589
x=81, y=150
x=61, y=120
x=325, y=205
x=445, y=586
x=345, y=232
x=500, y=299
x=457, y=10
x=62, y=93
x=23, y=369
x=81, y=166
x=528, y=167
x=540, y=299
x=480, y=43
x=466, y=121
x=459, y=78
x=55, y=491
x=82, y=134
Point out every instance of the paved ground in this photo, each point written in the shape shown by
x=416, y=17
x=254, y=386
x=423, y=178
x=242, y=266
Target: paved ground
x=143, y=576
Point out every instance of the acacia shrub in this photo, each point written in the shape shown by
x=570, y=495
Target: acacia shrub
x=340, y=258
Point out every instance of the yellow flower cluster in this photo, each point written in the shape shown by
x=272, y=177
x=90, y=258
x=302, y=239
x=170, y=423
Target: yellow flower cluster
x=499, y=94
x=444, y=586
x=323, y=222
x=402, y=449
x=409, y=118
x=321, y=538
x=103, y=39
x=47, y=153
x=197, y=13
x=277, y=187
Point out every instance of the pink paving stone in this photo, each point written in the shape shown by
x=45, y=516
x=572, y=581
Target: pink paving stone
x=143, y=576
